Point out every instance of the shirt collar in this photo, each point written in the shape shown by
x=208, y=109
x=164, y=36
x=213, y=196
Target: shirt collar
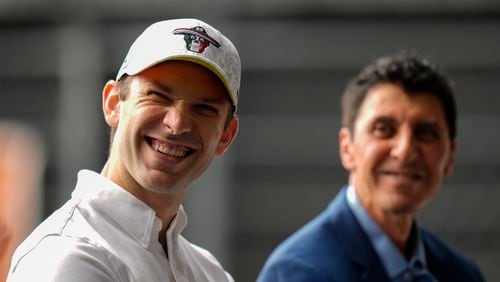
x=393, y=260
x=133, y=215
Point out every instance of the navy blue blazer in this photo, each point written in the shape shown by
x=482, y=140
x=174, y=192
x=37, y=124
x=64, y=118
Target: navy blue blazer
x=333, y=247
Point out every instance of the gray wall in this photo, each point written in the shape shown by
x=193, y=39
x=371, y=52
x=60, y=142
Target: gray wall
x=283, y=168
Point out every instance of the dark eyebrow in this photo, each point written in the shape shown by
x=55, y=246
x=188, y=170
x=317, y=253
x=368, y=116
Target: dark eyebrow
x=217, y=101
x=427, y=124
x=164, y=88
x=384, y=119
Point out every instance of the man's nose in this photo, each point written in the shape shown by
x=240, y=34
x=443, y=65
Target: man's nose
x=177, y=119
x=405, y=147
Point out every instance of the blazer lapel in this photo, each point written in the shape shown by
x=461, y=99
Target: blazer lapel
x=365, y=261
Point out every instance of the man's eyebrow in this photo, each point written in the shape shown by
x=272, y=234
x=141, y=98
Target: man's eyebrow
x=427, y=124
x=210, y=100
x=167, y=89
x=384, y=119
x=158, y=84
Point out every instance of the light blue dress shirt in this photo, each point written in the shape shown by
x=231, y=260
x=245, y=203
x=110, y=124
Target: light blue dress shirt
x=396, y=265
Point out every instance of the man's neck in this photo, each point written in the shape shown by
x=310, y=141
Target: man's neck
x=165, y=205
x=396, y=226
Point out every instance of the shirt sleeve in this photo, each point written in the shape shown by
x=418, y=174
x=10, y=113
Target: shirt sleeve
x=58, y=258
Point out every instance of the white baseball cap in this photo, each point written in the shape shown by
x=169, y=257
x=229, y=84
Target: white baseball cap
x=188, y=40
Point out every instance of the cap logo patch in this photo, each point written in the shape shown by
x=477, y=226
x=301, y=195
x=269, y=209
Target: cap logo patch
x=196, y=38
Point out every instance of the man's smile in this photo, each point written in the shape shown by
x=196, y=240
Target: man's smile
x=404, y=174
x=169, y=149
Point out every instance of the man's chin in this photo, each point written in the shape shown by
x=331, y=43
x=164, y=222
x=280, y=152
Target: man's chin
x=403, y=206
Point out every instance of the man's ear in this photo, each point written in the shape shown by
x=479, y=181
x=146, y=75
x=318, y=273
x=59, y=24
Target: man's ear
x=346, y=150
x=228, y=136
x=111, y=103
x=448, y=169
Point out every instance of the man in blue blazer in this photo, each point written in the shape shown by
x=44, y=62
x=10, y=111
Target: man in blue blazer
x=398, y=142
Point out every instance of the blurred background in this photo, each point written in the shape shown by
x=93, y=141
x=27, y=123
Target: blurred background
x=284, y=168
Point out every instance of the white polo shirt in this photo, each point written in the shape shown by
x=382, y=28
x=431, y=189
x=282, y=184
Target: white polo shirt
x=104, y=233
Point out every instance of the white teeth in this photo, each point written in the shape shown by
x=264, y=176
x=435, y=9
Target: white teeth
x=167, y=149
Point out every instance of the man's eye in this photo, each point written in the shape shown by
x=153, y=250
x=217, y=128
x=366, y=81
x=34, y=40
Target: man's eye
x=427, y=134
x=156, y=94
x=207, y=109
x=383, y=130
x=153, y=93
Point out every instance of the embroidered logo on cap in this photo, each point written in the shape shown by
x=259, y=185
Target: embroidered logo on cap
x=196, y=38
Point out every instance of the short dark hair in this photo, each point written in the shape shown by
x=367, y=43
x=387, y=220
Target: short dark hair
x=414, y=74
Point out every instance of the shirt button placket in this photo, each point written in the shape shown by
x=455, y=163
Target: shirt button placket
x=157, y=225
x=144, y=240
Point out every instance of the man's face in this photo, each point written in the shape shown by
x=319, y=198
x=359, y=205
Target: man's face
x=399, y=151
x=169, y=127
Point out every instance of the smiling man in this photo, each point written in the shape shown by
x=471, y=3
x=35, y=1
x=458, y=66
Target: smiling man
x=398, y=142
x=170, y=110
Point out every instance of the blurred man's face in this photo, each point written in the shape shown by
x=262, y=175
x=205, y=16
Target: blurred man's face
x=399, y=151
